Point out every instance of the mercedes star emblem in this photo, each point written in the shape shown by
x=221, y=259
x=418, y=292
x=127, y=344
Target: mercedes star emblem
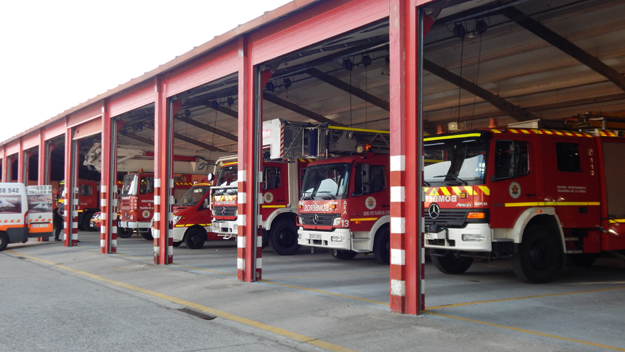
x=434, y=211
x=316, y=219
x=223, y=211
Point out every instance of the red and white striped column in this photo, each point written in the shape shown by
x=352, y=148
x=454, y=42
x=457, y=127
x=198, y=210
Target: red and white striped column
x=407, y=254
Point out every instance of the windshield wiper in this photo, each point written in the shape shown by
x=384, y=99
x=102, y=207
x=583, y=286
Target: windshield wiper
x=456, y=178
x=329, y=194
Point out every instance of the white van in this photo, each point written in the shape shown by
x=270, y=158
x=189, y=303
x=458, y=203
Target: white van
x=24, y=212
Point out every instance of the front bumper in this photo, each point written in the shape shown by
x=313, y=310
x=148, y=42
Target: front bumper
x=471, y=238
x=337, y=239
x=134, y=225
x=226, y=229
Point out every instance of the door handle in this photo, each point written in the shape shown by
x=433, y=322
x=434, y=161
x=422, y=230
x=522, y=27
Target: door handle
x=530, y=194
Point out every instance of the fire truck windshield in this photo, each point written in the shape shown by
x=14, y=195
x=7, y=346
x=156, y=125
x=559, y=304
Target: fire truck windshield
x=193, y=196
x=227, y=176
x=326, y=181
x=460, y=161
x=129, y=185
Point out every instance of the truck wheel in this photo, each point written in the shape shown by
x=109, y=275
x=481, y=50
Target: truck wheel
x=451, y=263
x=342, y=254
x=177, y=244
x=382, y=246
x=4, y=240
x=147, y=235
x=124, y=232
x=283, y=237
x=539, y=255
x=195, y=237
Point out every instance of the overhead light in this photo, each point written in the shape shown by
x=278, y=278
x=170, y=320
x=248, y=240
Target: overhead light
x=230, y=101
x=287, y=83
x=347, y=64
x=366, y=60
x=480, y=26
x=270, y=87
x=459, y=30
x=214, y=104
x=187, y=113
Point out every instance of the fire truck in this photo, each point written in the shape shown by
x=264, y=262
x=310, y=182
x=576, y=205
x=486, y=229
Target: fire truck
x=344, y=203
x=538, y=196
x=192, y=217
x=280, y=189
x=88, y=202
x=136, y=197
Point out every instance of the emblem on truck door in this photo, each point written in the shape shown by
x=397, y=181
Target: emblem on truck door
x=434, y=211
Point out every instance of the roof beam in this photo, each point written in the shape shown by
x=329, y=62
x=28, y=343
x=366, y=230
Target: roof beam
x=566, y=46
x=508, y=108
x=333, y=81
x=195, y=142
x=298, y=109
x=138, y=138
x=223, y=110
x=208, y=128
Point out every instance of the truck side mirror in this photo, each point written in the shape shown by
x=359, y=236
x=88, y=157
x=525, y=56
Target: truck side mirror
x=210, y=176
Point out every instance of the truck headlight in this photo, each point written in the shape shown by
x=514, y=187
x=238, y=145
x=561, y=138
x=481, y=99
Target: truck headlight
x=176, y=219
x=473, y=238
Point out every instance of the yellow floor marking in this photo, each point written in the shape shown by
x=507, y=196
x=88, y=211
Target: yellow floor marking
x=249, y=322
x=325, y=292
x=528, y=331
x=528, y=297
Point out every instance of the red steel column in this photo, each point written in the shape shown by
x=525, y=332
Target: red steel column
x=70, y=221
x=108, y=184
x=20, y=163
x=163, y=178
x=5, y=164
x=41, y=172
x=406, y=157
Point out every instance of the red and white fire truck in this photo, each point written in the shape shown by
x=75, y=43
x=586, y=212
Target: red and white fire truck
x=280, y=189
x=136, y=197
x=192, y=217
x=534, y=195
x=88, y=202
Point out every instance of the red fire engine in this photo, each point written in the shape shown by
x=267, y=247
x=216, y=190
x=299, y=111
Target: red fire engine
x=536, y=196
x=88, y=202
x=280, y=189
x=192, y=217
x=345, y=206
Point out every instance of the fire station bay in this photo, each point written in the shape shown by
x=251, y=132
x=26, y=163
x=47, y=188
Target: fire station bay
x=459, y=138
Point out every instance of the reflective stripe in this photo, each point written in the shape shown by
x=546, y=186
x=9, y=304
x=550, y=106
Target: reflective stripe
x=542, y=204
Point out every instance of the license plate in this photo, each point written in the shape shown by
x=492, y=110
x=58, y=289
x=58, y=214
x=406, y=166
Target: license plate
x=39, y=225
x=315, y=236
x=434, y=236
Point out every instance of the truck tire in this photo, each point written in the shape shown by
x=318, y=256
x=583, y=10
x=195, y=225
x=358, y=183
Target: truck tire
x=451, y=262
x=382, y=246
x=539, y=255
x=195, y=237
x=4, y=240
x=283, y=237
x=124, y=232
x=342, y=254
x=147, y=235
x=177, y=244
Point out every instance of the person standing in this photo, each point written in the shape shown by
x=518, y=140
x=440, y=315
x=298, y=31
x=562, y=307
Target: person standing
x=58, y=220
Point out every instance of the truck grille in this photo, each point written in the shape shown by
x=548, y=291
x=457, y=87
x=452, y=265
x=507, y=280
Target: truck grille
x=224, y=211
x=447, y=218
x=323, y=219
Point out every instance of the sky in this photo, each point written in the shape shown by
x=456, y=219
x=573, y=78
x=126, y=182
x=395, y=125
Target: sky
x=57, y=54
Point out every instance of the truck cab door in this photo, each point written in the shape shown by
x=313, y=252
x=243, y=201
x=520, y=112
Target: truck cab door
x=513, y=176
